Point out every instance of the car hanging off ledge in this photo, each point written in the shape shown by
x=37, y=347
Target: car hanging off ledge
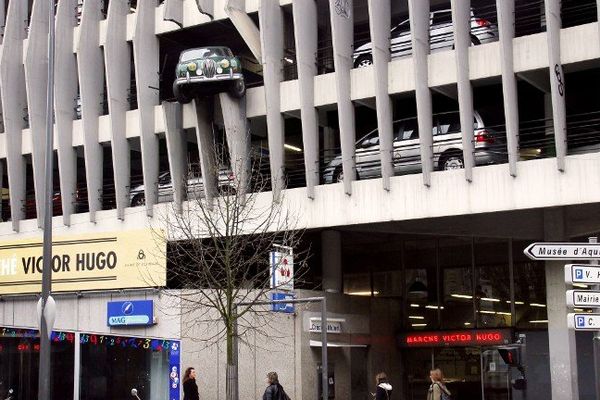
x=207, y=70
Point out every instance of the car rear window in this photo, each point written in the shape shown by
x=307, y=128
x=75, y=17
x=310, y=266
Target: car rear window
x=441, y=17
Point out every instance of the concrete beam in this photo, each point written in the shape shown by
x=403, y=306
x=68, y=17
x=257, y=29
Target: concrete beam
x=342, y=31
x=238, y=138
x=12, y=91
x=206, y=148
x=419, y=22
x=380, y=25
x=506, y=26
x=176, y=150
x=65, y=93
x=91, y=87
x=461, y=16
x=117, y=60
x=206, y=7
x=557, y=80
x=145, y=49
x=271, y=37
x=305, y=34
x=236, y=11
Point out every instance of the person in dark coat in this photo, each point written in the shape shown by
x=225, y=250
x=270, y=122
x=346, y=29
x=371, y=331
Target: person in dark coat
x=190, y=389
x=384, y=389
x=273, y=390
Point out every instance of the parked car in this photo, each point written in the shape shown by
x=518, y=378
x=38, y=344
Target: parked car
x=447, y=148
x=440, y=32
x=194, y=186
x=200, y=67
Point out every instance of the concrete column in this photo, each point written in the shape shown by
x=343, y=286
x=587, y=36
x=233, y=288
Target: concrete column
x=342, y=32
x=563, y=356
x=206, y=148
x=557, y=81
x=506, y=26
x=331, y=250
x=461, y=15
x=419, y=22
x=305, y=34
x=238, y=138
x=176, y=149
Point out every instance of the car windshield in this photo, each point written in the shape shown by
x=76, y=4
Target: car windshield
x=205, y=53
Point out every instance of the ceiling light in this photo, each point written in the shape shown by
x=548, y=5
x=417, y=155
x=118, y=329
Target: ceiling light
x=416, y=317
x=504, y=313
x=486, y=312
x=461, y=296
x=490, y=299
x=292, y=148
x=362, y=293
x=418, y=325
x=537, y=305
x=467, y=323
x=539, y=321
x=415, y=305
x=434, y=307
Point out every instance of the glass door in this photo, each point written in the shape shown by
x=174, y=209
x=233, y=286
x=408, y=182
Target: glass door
x=496, y=376
x=461, y=367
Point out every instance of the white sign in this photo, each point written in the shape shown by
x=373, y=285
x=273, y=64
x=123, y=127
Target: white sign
x=333, y=325
x=563, y=251
x=583, y=322
x=582, y=273
x=282, y=270
x=583, y=298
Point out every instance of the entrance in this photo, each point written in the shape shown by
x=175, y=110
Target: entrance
x=472, y=373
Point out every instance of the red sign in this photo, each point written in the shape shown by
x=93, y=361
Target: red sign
x=484, y=337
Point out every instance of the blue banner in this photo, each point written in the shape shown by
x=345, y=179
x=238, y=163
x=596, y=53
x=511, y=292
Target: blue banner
x=174, y=370
x=130, y=313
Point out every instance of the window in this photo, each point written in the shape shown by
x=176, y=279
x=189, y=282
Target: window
x=448, y=123
x=406, y=129
x=441, y=17
x=402, y=27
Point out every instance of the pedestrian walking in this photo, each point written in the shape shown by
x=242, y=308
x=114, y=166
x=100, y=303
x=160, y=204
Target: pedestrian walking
x=437, y=389
x=274, y=390
x=190, y=388
x=384, y=389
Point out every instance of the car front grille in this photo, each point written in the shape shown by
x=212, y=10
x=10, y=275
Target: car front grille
x=209, y=68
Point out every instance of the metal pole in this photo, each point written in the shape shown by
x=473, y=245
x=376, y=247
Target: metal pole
x=596, y=340
x=324, y=366
x=44, y=371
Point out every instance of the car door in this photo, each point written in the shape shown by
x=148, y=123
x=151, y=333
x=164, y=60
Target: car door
x=401, y=41
x=165, y=188
x=447, y=134
x=368, y=164
x=441, y=33
x=406, y=147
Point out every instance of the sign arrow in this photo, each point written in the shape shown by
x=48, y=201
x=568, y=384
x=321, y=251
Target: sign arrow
x=583, y=322
x=563, y=251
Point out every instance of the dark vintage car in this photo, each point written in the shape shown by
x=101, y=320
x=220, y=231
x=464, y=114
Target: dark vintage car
x=205, y=69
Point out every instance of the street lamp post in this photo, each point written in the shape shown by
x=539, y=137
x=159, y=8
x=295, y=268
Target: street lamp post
x=46, y=306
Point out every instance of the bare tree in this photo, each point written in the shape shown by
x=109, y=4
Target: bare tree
x=219, y=252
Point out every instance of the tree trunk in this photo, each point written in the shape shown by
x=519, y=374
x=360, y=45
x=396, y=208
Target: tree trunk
x=232, y=369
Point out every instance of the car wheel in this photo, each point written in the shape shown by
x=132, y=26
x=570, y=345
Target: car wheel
x=452, y=161
x=182, y=94
x=364, y=61
x=238, y=88
x=138, y=200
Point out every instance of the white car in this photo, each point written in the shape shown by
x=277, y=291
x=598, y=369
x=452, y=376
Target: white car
x=440, y=32
x=489, y=148
x=194, y=187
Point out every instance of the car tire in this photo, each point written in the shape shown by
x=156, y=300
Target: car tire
x=138, y=200
x=182, y=94
x=238, y=88
x=452, y=161
x=364, y=60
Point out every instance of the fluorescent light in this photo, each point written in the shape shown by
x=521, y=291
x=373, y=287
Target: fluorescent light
x=415, y=317
x=293, y=148
x=519, y=303
x=539, y=321
x=418, y=325
x=503, y=313
x=467, y=323
x=490, y=299
x=461, y=296
x=537, y=305
x=362, y=293
x=434, y=307
x=486, y=312
x=415, y=305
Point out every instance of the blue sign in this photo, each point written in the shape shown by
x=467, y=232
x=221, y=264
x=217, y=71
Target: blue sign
x=578, y=273
x=130, y=313
x=174, y=370
x=282, y=307
x=580, y=322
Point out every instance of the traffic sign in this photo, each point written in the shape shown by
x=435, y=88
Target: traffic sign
x=563, y=251
x=582, y=273
x=583, y=322
x=583, y=298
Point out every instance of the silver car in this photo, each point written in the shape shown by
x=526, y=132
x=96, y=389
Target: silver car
x=194, y=187
x=489, y=148
x=440, y=32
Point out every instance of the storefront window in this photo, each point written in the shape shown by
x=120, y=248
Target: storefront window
x=113, y=365
x=530, y=290
x=19, y=364
x=457, y=283
x=421, y=280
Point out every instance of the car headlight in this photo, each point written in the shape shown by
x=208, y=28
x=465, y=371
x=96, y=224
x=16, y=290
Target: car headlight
x=191, y=66
x=219, y=70
x=233, y=64
x=224, y=63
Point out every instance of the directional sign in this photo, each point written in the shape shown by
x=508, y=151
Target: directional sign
x=583, y=322
x=563, y=251
x=583, y=298
x=582, y=273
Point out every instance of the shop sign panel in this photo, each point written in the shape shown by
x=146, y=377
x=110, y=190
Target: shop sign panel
x=334, y=325
x=583, y=298
x=282, y=268
x=116, y=260
x=583, y=322
x=563, y=251
x=130, y=313
x=484, y=337
x=582, y=273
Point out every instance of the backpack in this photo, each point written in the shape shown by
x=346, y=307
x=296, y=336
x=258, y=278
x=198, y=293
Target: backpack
x=445, y=394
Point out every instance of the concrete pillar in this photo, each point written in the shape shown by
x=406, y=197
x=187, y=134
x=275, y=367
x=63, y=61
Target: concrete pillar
x=206, y=149
x=236, y=11
x=238, y=138
x=176, y=150
x=561, y=340
x=331, y=250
